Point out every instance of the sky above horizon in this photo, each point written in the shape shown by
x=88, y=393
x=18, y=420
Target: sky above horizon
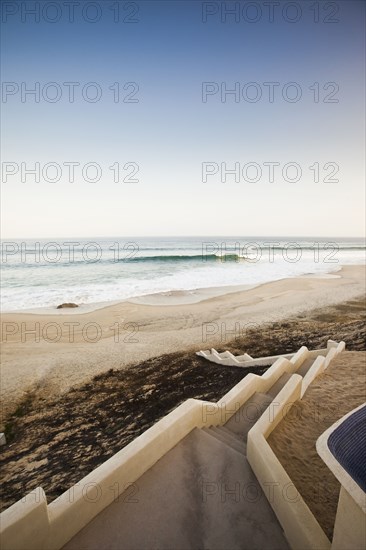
x=291, y=137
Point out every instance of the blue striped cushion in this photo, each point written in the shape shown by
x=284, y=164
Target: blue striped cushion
x=348, y=445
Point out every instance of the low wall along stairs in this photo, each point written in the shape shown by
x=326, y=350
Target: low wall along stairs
x=201, y=462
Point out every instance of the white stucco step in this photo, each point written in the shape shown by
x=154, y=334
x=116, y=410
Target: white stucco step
x=241, y=422
x=201, y=494
x=229, y=439
x=303, y=369
x=277, y=387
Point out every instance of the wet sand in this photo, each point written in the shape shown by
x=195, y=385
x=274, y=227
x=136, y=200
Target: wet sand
x=49, y=353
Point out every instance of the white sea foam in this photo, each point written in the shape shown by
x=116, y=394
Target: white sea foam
x=45, y=275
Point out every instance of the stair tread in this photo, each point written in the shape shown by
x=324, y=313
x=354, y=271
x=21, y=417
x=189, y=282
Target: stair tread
x=230, y=436
x=277, y=386
x=231, y=442
x=202, y=483
x=244, y=418
x=307, y=364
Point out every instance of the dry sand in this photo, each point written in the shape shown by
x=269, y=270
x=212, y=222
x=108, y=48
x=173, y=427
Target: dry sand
x=55, y=440
x=333, y=394
x=69, y=348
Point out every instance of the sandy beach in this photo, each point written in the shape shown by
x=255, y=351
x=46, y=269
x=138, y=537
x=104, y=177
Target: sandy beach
x=294, y=439
x=183, y=207
x=50, y=353
x=56, y=437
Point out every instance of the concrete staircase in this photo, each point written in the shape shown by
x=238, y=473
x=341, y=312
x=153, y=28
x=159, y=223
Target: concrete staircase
x=186, y=483
x=277, y=387
x=245, y=360
x=241, y=422
x=200, y=495
x=228, y=437
x=303, y=369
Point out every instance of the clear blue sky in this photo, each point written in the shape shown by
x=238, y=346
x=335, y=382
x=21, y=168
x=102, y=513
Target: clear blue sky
x=169, y=52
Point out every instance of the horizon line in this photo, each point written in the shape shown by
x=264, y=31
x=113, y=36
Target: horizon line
x=186, y=237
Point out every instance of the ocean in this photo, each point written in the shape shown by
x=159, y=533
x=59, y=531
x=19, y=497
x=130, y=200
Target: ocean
x=45, y=273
